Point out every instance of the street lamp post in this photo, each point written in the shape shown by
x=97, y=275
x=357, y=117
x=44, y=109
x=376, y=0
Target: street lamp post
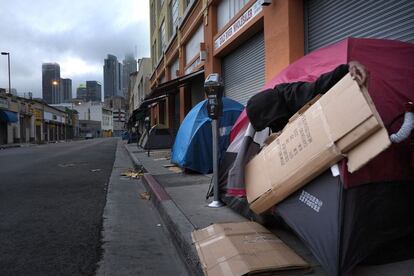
x=8, y=62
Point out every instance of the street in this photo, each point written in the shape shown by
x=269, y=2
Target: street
x=52, y=199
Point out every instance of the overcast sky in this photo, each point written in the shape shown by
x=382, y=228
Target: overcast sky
x=77, y=34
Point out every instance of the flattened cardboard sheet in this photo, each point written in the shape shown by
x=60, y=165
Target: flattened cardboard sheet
x=241, y=248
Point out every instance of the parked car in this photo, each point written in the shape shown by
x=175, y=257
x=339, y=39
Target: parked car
x=89, y=136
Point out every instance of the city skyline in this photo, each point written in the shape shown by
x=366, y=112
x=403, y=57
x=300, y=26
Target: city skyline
x=73, y=40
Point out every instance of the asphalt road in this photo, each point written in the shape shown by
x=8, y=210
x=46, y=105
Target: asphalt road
x=52, y=199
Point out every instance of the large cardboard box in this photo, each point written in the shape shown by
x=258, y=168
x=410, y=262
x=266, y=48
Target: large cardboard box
x=341, y=123
x=241, y=248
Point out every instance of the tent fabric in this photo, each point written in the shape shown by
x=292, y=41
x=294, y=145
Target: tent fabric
x=390, y=85
x=340, y=220
x=193, y=144
x=342, y=227
x=159, y=138
x=8, y=116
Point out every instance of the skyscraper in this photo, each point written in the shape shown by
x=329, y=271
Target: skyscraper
x=66, y=86
x=94, y=91
x=112, y=77
x=129, y=66
x=81, y=92
x=51, y=92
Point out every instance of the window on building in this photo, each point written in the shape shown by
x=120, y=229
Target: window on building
x=154, y=54
x=162, y=41
x=174, y=19
x=192, y=48
x=160, y=4
x=152, y=17
x=227, y=9
x=187, y=3
x=174, y=68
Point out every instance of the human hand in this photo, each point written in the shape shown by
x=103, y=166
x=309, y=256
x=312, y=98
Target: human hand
x=358, y=72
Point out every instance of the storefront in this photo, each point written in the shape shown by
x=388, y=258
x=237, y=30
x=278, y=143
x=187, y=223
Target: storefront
x=243, y=70
x=329, y=21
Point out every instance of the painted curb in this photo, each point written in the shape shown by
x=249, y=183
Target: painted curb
x=178, y=225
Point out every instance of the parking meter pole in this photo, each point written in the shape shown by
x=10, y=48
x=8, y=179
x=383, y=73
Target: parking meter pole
x=147, y=123
x=213, y=88
x=216, y=201
x=148, y=142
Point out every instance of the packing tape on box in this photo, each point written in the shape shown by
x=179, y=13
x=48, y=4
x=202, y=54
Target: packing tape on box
x=208, y=242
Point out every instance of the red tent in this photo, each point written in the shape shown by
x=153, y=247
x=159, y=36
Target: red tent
x=354, y=220
x=391, y=85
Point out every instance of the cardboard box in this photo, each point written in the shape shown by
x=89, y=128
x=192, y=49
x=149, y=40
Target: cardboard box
x=241, y=248
x=341, y=123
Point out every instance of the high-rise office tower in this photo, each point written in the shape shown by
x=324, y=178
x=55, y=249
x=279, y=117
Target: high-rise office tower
x=112, y=77
x=94, y=91
x=129, y=65
x=81, y=92
x=66, y=86
x=51, y=92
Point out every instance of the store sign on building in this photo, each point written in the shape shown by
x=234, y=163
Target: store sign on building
x=4, y=103
x=38, y=114
x=234, y=28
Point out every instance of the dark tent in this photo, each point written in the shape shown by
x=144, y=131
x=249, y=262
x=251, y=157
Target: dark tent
x=159, y=138
x=346, y=218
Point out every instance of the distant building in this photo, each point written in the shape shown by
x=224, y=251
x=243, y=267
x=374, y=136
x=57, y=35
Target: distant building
x=93, y=91
x=51, y=92
x=129, y=65
x=112, y=77
x=81, y=92
x=13, y=91
x=94, y=119
x=138, y=89
x=66, y=86
x=118, y=105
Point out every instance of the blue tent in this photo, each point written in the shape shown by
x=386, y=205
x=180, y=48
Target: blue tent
x=193, y=144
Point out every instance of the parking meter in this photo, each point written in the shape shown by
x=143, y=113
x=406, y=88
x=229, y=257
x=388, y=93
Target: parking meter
x=213, y=88
x=147, y=124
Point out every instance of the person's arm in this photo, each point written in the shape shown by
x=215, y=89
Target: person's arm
x=297, y=94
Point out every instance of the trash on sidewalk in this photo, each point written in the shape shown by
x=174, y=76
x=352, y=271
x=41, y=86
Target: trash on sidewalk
x=132, y=173
x=95, y=170
x=145, y=195
x=241, y=248
x=320, y=134
x=66, y=165
x=161, y=159
x=173, y=168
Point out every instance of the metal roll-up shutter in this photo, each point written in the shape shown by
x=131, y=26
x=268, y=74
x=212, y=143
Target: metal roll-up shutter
x=329, y=21
x=243, y=70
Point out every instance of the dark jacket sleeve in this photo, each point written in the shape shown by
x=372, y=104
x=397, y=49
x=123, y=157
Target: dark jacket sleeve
x=297, y=94
x=273, y=107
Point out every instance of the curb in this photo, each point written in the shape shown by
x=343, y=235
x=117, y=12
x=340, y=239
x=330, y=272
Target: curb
x=177, y=223
x=3, y=147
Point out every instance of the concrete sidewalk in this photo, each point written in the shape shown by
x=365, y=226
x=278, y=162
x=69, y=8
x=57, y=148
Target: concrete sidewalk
x=134, y=239
x=181, y=201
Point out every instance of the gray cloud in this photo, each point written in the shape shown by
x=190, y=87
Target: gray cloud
x=55, y=31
